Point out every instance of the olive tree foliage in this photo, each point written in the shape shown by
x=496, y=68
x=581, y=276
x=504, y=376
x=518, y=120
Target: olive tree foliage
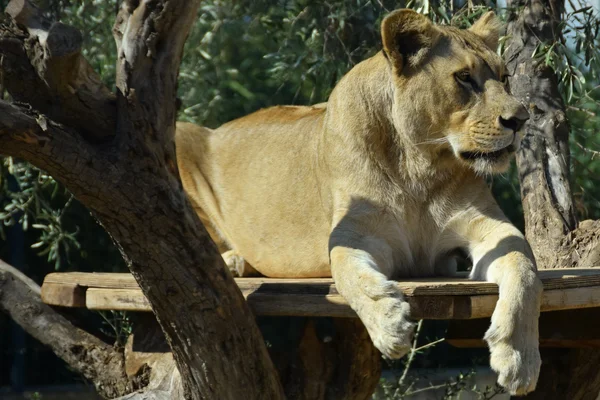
x=32, y=198
x=246, y=55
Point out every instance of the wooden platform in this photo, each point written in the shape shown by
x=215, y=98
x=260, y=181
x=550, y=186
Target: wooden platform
x=429, y=298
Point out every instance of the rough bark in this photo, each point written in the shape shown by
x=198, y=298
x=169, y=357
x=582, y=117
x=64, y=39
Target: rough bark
x=71, y=90
x=543, y=158
x=131, y=184
x=95, y=360
x=551, y=225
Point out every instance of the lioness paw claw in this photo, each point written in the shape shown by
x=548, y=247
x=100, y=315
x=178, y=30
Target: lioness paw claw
x=518, y=369
x=390, y=327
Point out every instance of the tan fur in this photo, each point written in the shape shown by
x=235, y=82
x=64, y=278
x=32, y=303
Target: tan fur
x=383, y=182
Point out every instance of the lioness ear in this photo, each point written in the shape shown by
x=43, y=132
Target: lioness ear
x=406, y=37
x=488, y=28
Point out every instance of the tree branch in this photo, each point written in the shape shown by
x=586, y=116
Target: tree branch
x=86, y=354
x=150, y=41
x=60, y=151
x=43, y=66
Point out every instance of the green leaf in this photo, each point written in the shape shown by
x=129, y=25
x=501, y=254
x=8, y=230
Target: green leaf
x=581, y=10
x=238, y=87
x=535, y=51
x=570, y=91
x=549, y=54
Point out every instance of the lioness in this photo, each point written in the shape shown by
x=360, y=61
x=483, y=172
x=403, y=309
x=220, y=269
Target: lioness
x=384, y=182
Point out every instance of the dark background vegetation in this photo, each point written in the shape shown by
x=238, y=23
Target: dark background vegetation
x=242, y=56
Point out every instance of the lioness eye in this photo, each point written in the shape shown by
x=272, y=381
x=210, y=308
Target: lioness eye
x=464, y=77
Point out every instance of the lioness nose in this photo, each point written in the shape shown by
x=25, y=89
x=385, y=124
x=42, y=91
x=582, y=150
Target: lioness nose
x=514, y=122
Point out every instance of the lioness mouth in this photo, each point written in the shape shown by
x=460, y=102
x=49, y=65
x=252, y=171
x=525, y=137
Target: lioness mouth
x=490, y=156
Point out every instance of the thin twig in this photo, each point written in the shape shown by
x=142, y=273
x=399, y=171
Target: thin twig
x=425, y=346
x=583, y=110
x=433, y=387
x=594, y=153
x=411, y=357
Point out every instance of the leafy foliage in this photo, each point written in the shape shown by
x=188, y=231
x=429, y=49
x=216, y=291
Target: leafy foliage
x=246, y=55
x=31, y=198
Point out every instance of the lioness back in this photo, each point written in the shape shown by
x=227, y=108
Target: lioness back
x=239, y=178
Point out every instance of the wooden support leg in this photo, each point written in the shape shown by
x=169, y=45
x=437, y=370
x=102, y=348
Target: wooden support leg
x=316, y=358
x=329, y=359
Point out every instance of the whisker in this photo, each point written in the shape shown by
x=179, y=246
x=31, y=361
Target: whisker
x=433, y=141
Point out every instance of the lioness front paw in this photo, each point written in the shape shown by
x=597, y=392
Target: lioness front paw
x=391, y=330
x=517, y=365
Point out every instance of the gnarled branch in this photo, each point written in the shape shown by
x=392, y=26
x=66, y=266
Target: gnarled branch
x=43, y=66
x=97, y=361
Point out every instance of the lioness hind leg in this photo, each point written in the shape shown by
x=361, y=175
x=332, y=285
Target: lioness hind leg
x=237, y=265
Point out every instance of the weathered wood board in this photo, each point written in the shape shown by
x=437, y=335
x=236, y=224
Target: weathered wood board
x=442, y=298
x=564, y=329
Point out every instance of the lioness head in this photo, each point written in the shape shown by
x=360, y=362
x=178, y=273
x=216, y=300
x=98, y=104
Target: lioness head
x=451, y=89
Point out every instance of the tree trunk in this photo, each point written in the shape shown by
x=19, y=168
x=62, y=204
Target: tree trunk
x=543, y=160
x=129, y=180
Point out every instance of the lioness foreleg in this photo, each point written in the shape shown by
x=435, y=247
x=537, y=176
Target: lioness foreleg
x=501, y=255
x=361, y=267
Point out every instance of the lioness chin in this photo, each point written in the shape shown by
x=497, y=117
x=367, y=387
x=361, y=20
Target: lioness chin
x=383, y=182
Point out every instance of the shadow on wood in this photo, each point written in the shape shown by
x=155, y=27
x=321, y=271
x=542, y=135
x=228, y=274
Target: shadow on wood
x=333, y=359
x=324, y=359
x=558, y=329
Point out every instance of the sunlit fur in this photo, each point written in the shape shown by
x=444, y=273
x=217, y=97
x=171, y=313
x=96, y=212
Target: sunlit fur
x=382, y=182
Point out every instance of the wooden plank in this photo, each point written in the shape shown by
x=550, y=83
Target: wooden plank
x=568, y=299
x=66, y=295
x=266, y=304
x=567, y=328
x=552, y=279
x=116, y=299
x=429, y=299
x=94, y=279
x=475, y=343
x=269, y=304
x=334, y=305
x=552, y=300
